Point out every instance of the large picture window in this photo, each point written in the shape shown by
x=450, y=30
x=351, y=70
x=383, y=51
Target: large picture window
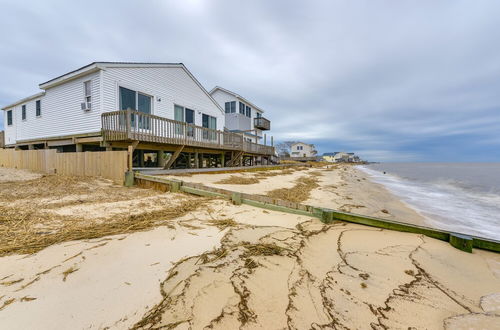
x=133, y=100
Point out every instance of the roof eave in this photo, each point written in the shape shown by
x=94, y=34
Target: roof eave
x=93, y=67
x=238, y=96
x=24, y=100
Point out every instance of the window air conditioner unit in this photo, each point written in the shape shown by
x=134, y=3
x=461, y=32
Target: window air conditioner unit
x=86, y=106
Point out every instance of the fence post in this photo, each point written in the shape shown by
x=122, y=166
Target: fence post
x=327, y=216
x=129, y=179
x=236, y=198
x=129, y=123
x=461, y=242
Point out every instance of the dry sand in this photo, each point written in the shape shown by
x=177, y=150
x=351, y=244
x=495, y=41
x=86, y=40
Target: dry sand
x=342, y=187
x=266, y=270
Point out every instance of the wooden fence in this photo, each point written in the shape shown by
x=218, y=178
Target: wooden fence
x=107, y=164
x=2, y=139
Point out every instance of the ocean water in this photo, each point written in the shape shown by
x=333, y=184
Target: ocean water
x=458, y=197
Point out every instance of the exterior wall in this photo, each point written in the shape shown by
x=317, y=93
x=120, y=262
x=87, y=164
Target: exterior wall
x=167, y=86
x=237, y=121
x=306, y=152
x=61, y=113
x=61, y=105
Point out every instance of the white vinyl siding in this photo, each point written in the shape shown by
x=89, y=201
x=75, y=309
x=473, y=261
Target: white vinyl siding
x=167, y=86
x=61, y=113
x=236, y=120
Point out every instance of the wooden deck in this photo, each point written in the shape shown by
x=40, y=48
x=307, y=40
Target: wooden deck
x=130, y=125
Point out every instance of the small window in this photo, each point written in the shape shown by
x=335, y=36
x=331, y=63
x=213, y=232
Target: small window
x=38, y=108
x=242, y=108
x=258, y=115
x=88, y=91
x=248, y=111
x=230, y=107
x=23, y=112
x=9, y=118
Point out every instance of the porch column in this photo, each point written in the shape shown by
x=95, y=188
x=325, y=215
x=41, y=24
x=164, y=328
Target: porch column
x=161, y=158
x=196, y=161
x=79, y=147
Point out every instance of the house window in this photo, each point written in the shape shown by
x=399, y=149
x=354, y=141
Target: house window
x=9, y=118
x=258, y=115
x=185, y=115
x=87, y=91
x=23, y=112
x=242, y=108
x=248, y=111
x=230, y=107
x=133, y=100
x=38, y=108
x=211, y=123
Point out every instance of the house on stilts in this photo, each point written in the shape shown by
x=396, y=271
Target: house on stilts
x=159, y=109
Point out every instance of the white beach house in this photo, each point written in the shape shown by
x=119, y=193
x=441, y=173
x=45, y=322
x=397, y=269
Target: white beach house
x=302, y=150
x=242, y=115
x=156, y=107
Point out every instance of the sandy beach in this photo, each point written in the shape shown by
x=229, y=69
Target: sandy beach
x=343, y=187
x=87, y=254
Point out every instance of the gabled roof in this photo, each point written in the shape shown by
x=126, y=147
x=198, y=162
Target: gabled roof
x=26, y=99
x=307, y=144
x=330, y=153
x=96, y=66
x=238, y=96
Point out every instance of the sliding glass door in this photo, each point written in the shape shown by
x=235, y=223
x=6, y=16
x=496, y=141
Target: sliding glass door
x=211, y=123
x=133, y=100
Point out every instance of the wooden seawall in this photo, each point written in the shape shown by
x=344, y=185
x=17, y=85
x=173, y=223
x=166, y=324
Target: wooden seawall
x=460, y=241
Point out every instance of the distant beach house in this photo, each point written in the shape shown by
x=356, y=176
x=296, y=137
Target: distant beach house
x=339, y=157
x=301, y=150
x=242, y=116
x=154, y=107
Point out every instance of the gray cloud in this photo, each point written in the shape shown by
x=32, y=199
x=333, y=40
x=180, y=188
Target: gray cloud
x=388, y=79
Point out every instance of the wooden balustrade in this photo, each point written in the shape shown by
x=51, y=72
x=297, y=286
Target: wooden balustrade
x=134, y=125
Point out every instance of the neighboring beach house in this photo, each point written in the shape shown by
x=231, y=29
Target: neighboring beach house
x=154, y=107
x=340, y=157
x=242, y=116
x=302, y=150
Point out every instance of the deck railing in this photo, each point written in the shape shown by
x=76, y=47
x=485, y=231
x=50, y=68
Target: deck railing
x=262, y=123
x=133, y=125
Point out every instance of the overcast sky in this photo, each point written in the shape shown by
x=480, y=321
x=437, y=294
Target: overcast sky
x=390, y=80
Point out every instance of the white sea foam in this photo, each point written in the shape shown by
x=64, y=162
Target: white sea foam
x=446, y=204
